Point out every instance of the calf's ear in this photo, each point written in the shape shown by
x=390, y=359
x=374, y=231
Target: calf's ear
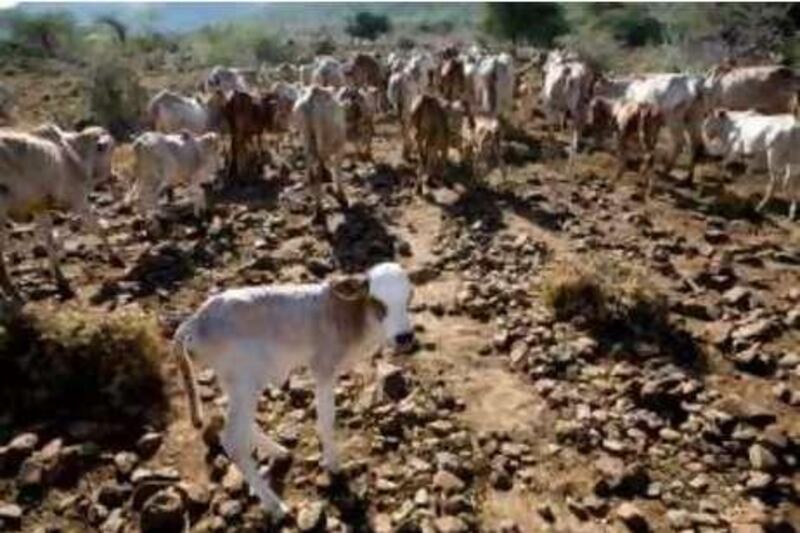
x=351, y=288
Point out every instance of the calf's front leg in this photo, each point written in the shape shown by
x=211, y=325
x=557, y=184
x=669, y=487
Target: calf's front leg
x=326, y=418
x=44, y=227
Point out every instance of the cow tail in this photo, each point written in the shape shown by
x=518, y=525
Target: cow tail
x=180, y=341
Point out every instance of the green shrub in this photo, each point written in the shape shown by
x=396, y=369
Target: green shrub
x=538, y=24
x=366, y=25
x=79, y=364
x=116, y=98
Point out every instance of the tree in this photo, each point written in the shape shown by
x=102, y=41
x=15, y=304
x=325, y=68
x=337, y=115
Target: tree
x=539, y=24
x=366, y=25
x=47, y=34
x=116, y=25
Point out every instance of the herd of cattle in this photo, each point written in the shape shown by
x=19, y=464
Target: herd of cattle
x=448, y=99
x=451, y=99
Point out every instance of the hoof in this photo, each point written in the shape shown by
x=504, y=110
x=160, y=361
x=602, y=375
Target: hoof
x=64, y=290
x=116, y=261
x=318, y=218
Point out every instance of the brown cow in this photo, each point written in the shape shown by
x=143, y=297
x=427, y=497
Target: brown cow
x=365, y=71
x=248, y=116
x=636, y=125
x=431, y=136
x=358, y=114
x=452, y=81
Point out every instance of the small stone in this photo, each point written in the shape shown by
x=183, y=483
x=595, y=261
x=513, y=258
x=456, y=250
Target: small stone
x=546, y=512
x=447, y=482
x=10, y=516
x=113, y=494
x=311, y=517
x=233, y=481
x=761, y=458
x=632, y=517
x=163, y=512
x=500, y=480
x=230, y=509
x=450, y=524
x=125, y=463
x=679, y=519
x=149, y=444
x=393, y=382
x=197, y=497
x=16, y=451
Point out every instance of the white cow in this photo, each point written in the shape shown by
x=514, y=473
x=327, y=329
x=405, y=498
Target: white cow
x=253, y=337
x=494, y=85
x=751, y=135
x=328, y=72
x=320, y=121
x=162, y=161
x=679, y=99
x=403, y=89
x=566, y=92
x=170, y=112
x=768, y=89
x=48, y=170
x=225, y=79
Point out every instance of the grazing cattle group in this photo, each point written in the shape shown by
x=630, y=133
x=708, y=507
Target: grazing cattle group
x=452, y=99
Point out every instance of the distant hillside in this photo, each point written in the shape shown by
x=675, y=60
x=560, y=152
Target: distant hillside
x=184, y=17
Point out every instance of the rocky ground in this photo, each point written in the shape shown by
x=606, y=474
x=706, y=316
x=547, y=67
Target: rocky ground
x=508, y=417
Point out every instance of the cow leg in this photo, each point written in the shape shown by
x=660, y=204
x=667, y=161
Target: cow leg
x=787, y=179
x=237, y=441
x=573, y=152
x=198, y=194
x=677, y=140
x=326, y=417
x=773, y=178
x=95, y=225
x=5, y=280
x=622, y=162
x=44, y=228
x=335, y=164
x=315, y=183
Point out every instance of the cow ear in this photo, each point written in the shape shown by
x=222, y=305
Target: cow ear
x=351, y=288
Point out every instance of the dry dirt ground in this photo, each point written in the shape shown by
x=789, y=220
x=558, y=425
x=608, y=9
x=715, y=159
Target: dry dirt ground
x=504, y=419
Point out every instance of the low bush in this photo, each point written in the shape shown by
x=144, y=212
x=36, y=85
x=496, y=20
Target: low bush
x=605, y=294
x=79, y=364
x=116, y=98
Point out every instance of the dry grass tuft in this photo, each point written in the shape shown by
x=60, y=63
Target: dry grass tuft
x=80, y=364
x=602, y=292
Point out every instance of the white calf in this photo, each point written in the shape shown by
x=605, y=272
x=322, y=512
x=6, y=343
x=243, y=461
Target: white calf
x=253, y=337
x=170, y=112
x=162, y=161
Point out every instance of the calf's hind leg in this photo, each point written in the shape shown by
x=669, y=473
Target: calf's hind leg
x=237, y=440
x=5, y=280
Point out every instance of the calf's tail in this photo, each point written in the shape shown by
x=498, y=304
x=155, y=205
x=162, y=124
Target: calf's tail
x=180, y=350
